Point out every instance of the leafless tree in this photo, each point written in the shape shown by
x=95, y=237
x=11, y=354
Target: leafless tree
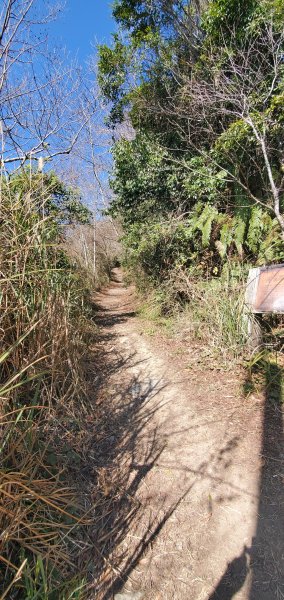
x=235, y=90
x=89, y=165
x=240, y=92
x=38, y=92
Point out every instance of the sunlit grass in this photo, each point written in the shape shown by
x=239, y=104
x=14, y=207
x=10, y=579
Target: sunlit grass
x=41, y=344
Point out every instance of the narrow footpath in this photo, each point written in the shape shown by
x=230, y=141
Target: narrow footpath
x=206, y=516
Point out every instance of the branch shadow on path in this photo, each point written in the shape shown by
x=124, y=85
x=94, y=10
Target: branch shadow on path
x=125, y=447
x=129, y=445
x=264, y=560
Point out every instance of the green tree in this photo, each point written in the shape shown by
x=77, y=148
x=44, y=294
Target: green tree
x=203, y=87
x=51, y=195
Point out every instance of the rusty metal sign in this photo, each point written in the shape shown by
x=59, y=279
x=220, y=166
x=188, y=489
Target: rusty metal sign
x=265, y=289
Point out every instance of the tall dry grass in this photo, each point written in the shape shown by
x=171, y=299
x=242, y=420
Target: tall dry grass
x=214, y=314
x=43, y=303
x=207, y=314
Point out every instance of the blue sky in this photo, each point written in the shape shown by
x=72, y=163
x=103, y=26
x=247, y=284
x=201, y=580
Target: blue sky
x=81, y=24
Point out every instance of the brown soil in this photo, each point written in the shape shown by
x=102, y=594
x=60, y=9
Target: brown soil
x=200, y=515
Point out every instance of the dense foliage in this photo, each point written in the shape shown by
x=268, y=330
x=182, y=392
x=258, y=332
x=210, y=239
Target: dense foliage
x=201, y=181
x=49, y=194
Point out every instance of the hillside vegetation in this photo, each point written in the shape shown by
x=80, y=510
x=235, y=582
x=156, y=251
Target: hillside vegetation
x=46, y=321
x=199, y=183
x=195, y=92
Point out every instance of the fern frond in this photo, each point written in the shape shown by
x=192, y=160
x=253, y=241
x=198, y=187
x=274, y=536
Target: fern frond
x=255, y=229
x=204, y=223
x=221, y=248
x=239, y=235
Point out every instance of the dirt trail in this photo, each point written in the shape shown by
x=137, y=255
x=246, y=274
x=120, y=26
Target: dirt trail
x=203, y=530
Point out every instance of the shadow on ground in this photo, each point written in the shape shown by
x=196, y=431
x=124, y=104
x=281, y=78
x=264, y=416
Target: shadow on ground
x=264, y=559
x=120, y=453
x=125, y=446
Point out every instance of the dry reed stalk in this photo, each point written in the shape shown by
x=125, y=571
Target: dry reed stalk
x=40, y=374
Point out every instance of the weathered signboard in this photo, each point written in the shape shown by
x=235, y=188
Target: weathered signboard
x=265, y=290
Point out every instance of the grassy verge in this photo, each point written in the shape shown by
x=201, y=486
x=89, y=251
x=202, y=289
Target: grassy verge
x=208, y=314
x=43, y=336
x=209, y=318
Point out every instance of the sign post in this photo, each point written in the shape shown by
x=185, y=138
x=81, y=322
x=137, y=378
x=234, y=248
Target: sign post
x=264, y=295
